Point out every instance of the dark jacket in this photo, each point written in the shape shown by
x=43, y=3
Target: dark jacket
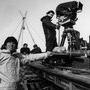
x=48, y=26
x=36, y=50
x=50, y=33
x=25, y=50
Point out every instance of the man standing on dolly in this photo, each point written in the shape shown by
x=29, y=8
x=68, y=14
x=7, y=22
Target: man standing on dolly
x=49, y=30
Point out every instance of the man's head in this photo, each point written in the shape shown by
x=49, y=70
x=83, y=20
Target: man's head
x=10, y=43
x=50, y=13
x=35, y=46
x=25, y=45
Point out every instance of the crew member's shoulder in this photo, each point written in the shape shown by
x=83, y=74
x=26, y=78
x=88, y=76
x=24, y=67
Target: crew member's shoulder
x=44, y=17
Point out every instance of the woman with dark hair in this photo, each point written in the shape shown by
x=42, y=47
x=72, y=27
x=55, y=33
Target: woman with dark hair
x=12, y=42
x=10, y=63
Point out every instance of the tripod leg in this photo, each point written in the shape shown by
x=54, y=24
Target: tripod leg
x=63, y=38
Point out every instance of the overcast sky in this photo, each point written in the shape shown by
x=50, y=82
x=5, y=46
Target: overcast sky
x=10, y=19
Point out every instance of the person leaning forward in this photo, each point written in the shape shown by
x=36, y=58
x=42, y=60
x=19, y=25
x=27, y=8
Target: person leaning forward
x=10, y=61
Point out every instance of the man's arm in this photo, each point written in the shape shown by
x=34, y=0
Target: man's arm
x=33, y=57
x=46, y=21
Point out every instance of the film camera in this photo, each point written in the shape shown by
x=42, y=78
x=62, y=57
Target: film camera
x=67, y=13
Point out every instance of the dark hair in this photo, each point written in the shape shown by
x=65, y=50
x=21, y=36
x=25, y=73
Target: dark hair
x=11, y=39
x=2, y=47
x=51, y=11
x=35, y=45
x=25, y=44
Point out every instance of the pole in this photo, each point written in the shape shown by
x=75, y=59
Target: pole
x=59, y=37
x=30, y=33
